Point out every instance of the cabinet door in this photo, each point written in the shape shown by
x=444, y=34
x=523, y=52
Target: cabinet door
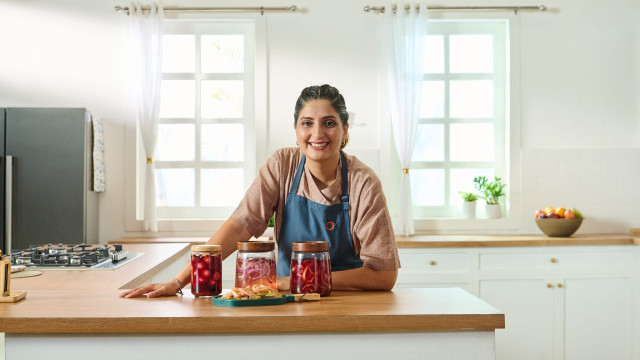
x=598, y=318
x=434, y=268
x=528, y=307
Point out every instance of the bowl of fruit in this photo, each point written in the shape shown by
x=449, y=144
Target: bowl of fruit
x=558, y=222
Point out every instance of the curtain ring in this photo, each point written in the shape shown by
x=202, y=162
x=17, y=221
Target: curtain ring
x=405, y=171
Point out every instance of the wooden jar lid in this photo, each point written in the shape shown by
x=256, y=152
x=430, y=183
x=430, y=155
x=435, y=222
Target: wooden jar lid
x=311, y=246
x=256, y=245
x=206, y=248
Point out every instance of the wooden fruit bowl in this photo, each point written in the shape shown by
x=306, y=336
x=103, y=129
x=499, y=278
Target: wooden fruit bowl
x=558, y=227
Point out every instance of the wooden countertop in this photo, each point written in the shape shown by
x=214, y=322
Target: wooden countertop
x=156, y=257
x=102, y=311
x=439, y=241
x=450, y=241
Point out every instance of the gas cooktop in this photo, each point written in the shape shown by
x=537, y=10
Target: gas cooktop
x=73, y=257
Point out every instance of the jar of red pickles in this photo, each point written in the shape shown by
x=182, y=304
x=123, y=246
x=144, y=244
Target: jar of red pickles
x=256, y=264
x=311, y=268
x=206, y=270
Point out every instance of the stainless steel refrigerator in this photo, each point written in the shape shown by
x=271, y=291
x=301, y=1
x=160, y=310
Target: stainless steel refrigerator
x=46, y=178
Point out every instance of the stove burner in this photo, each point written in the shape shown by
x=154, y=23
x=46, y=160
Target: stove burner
x=61, y=255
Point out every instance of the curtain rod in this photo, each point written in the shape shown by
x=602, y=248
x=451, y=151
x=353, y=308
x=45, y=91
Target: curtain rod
x=260, y=9
x=515, y=9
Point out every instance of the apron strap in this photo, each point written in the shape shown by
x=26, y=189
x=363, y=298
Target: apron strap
x=344, y=198
x=345, y=184
x=296, y=179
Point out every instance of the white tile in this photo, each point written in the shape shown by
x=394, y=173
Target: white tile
x=631, y=182
x=530, y=155
x=530, y=184
x=582, y=169
x=602, y=154
x=540, y=169
x=560, y=155
x=617, y=197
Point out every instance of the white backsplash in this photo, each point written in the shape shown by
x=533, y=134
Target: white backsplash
x=604, y=184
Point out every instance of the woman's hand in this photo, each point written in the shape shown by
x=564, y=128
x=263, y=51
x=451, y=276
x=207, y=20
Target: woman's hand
x=168, y=288
x=284, y=283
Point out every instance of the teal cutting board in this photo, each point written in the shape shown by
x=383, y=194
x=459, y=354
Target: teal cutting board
x=255, y=302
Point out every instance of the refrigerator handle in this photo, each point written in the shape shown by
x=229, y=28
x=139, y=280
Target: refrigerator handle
x=8, y=201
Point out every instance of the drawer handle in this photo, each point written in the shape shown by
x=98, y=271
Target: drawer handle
x=554, y=260
x=433, y=263
x=559, y=285
x=549, y=285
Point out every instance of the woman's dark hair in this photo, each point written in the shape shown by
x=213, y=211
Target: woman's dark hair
x=323, y=92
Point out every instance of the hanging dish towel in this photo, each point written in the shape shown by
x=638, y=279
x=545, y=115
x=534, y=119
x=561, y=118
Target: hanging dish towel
x=98, y=154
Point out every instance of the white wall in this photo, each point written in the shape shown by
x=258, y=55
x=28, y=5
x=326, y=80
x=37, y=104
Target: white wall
x=579, y=90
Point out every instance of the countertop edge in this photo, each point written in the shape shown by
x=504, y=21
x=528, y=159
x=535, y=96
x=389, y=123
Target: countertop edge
x=448, y=241
x=140, y=279
x=326, y=323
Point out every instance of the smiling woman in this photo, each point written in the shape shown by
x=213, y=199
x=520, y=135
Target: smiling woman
x=318, y=193
x=321, y=123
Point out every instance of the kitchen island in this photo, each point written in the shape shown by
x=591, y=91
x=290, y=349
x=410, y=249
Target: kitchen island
x=83, y=317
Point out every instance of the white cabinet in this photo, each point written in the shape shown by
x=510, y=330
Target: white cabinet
x=564, y=302
x=434, y=268
x=528, y=307
x=561, y=302
x=597, y=318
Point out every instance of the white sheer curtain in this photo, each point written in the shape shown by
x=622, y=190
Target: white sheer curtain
x=146, y=33
x=404, y=41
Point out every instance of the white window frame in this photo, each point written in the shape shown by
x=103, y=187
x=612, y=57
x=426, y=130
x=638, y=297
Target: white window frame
x=497, y=30
x=511, y=170
x=255, y=146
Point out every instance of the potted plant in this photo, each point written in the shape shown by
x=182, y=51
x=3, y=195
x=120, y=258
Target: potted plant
x=269, y=232
x=469, y=204
x=491, y=192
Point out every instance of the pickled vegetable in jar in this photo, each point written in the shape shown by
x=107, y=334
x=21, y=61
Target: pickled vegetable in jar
x=256, y=264
x=311, y=268
x=206, y=270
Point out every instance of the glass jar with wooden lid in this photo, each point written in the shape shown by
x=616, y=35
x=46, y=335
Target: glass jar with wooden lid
x=256, y=264
x=206, y=270
x=310, y=268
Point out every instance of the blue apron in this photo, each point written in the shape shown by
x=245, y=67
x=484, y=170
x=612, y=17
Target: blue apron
x=305, y=220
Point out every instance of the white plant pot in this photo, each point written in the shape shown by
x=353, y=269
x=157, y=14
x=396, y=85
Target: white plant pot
x=493, y=211
x=468, y=209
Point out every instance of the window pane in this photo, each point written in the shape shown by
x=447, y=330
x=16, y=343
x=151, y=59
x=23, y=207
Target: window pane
x=178, y=53
x=222, y=53
x=222, y=99
x=176, y=142
x=427, y=187
x=432, y=105
x=429, y=143
x=471, y=54
x=462, y=180
x=471, y=99
x=434, y=54
x=222, y=142
x=177, y=99
x=175, y=187
x=472, y=142
x=222, y=187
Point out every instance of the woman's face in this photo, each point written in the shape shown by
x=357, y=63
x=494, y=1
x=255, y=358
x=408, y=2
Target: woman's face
x=319, y=131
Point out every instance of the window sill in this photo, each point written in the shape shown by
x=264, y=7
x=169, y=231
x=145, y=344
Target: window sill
x=463, y=226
